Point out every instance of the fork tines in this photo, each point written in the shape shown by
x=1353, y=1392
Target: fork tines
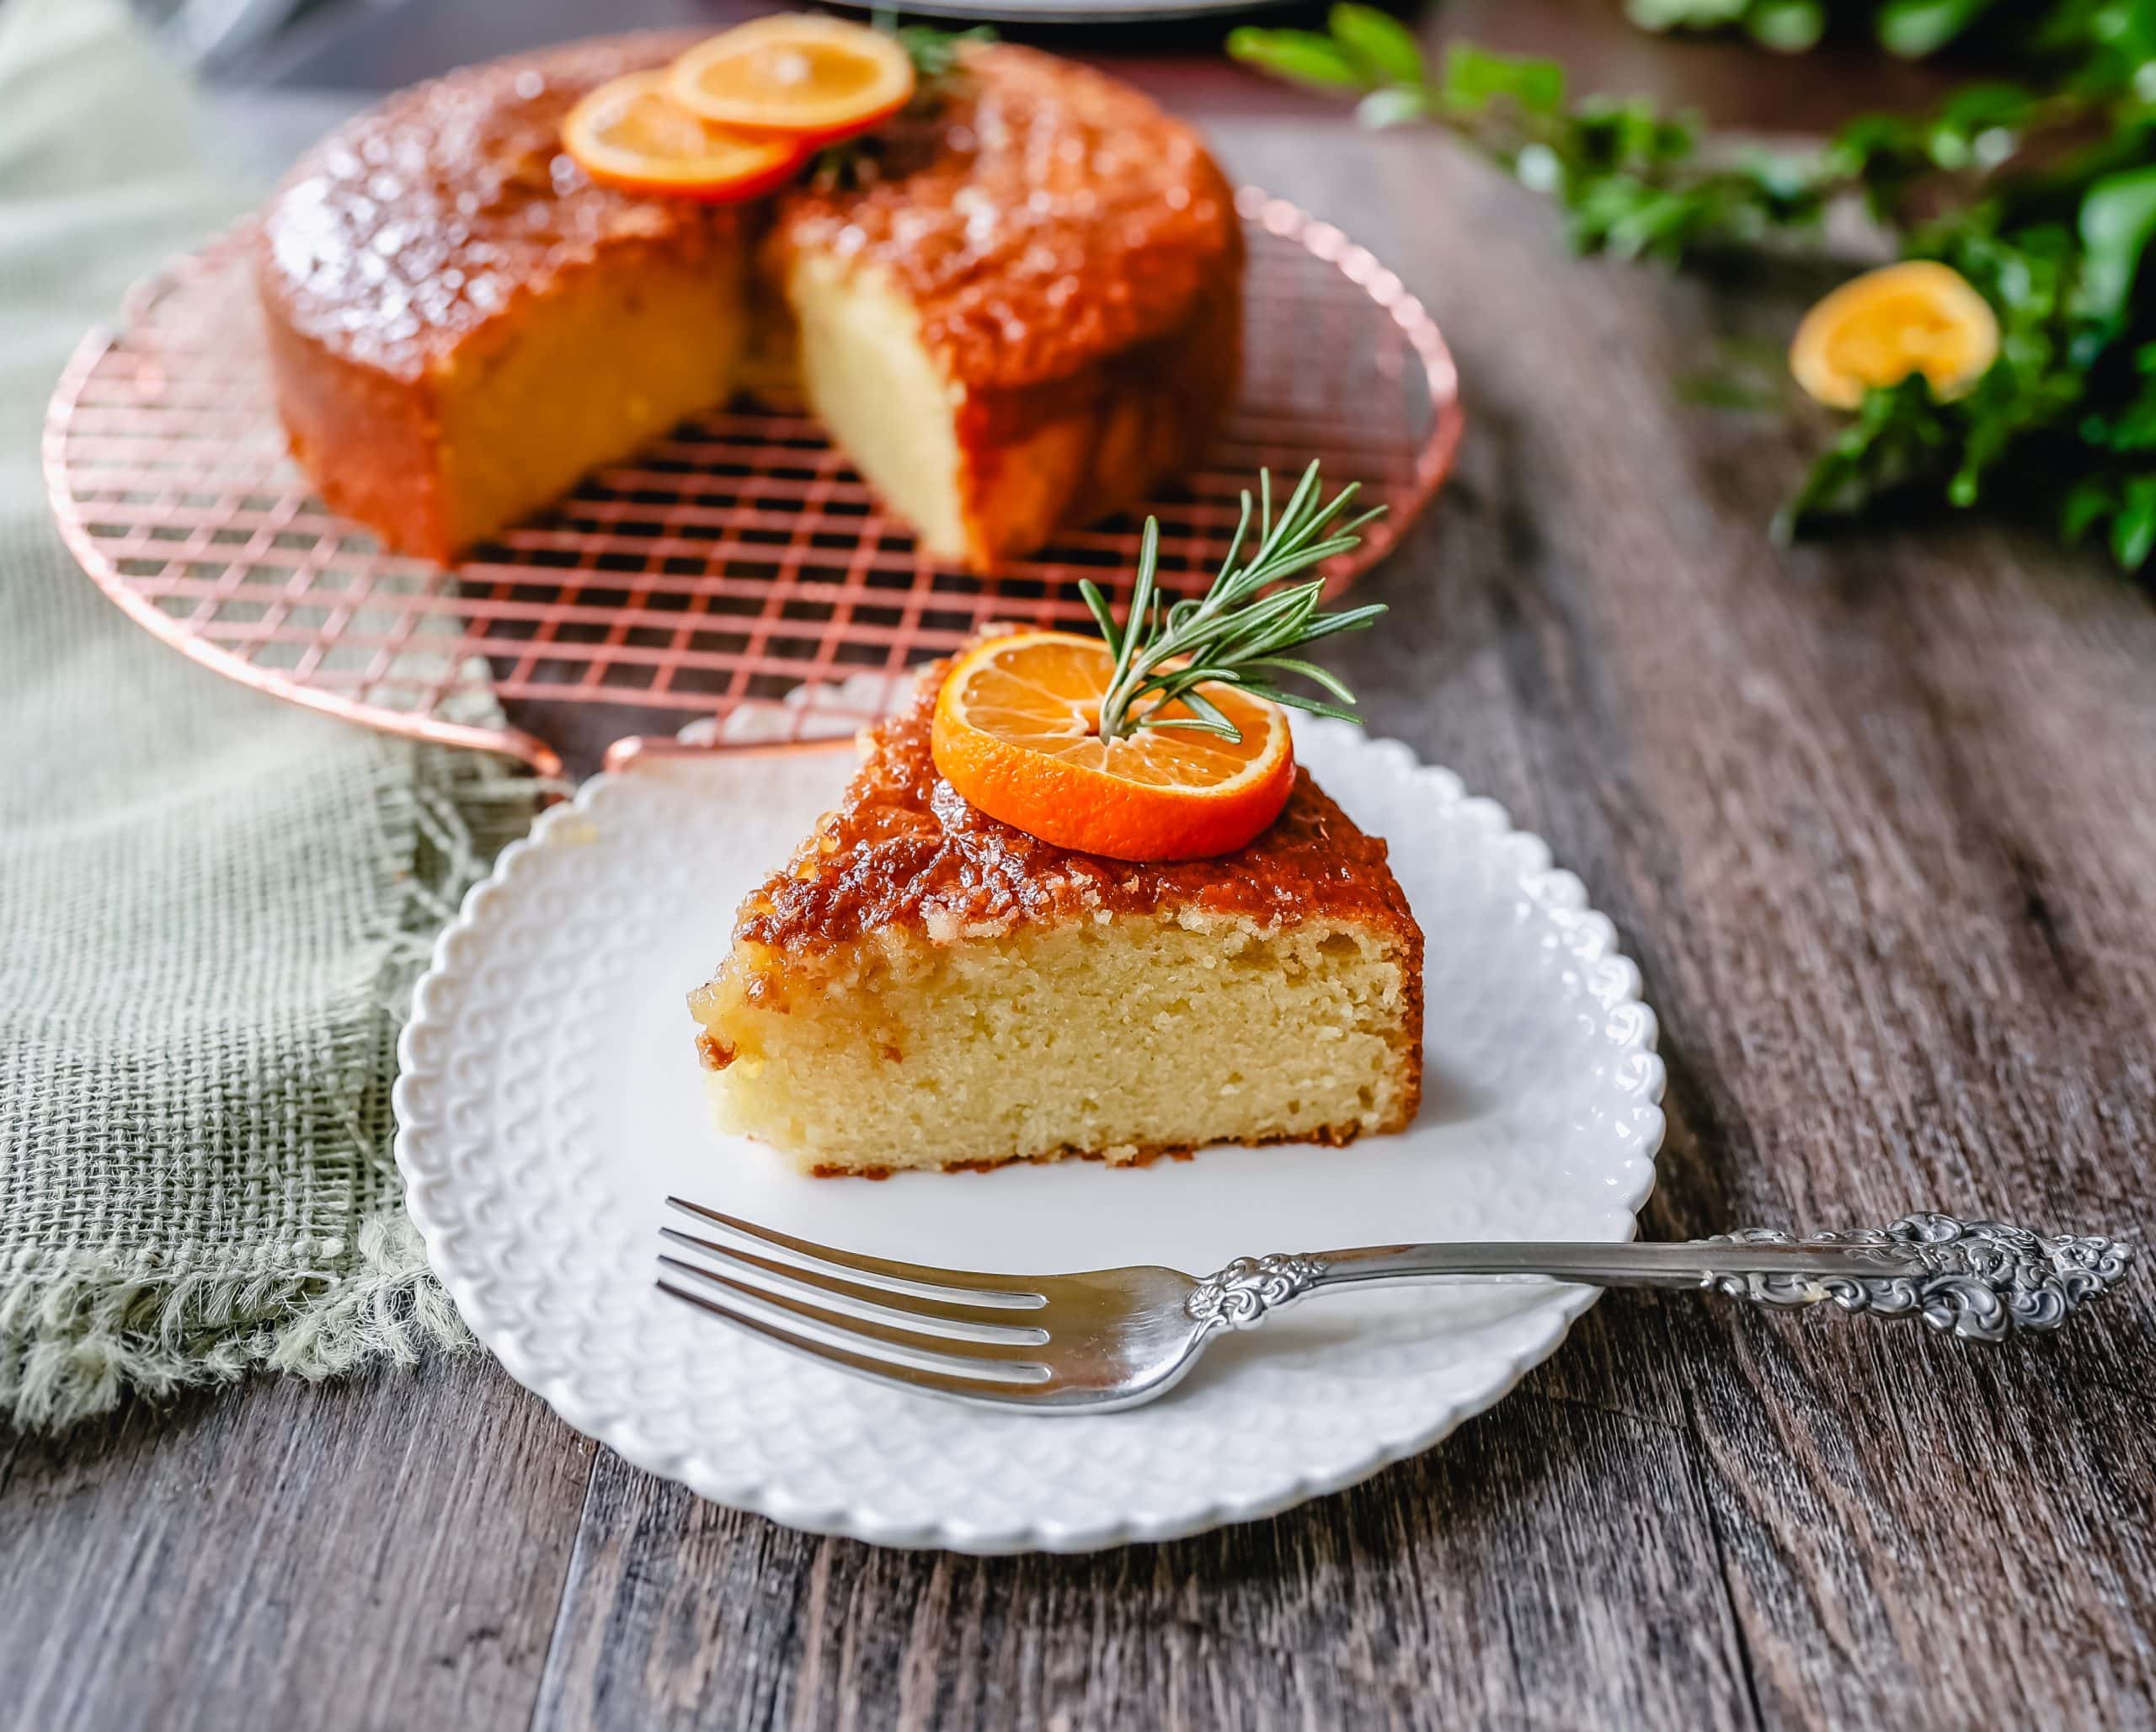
x=911, y=1325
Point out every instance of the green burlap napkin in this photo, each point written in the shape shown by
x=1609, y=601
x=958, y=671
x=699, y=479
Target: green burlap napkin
x=211, y=903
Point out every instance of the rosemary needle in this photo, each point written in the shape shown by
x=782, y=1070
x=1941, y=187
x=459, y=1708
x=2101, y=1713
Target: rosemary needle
x=1240, y=631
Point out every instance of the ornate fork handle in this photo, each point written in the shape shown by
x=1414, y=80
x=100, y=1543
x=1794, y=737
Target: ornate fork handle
x=1980, y=1280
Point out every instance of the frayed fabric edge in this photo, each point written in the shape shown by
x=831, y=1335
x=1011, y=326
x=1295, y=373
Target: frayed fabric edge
x=81, y=1331
x=78, y=1336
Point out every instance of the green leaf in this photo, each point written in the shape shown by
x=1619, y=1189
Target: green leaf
x=2118, y=215
x=1383, y=45
x=1296, y=701
x=1302, y=56
x=1684, y=14
x=1142, y=593
x=1913, y=29
x=1786, y=26
x=1225, y=728
x=1205, y=717
x=2133, y=530
x=1310, y=671
x=1474, y=78
x=1354, y=619
x=2087, y=502
x=1871, y=139
x=1393, y=106
x=2133, y=429
x=1103, y=616
x=934, y=52
x=1976, y=108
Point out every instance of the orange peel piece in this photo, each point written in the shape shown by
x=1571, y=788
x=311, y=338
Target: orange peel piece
x=629, y=133
x=810, y=78
x=1016, y=733
x=1917, y=317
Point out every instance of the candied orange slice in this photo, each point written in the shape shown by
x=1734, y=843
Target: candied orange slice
x=1016, y=734
x=631, y=134
x=815, y=79
x=1878, y=329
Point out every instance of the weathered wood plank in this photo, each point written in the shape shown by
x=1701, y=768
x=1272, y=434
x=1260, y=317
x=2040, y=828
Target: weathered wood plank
x=1876, y=816
x=383, y=1554
x=1519, y=1576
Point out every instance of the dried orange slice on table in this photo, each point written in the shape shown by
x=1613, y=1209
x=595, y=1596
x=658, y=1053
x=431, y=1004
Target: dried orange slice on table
x=1876, y=329
x=813, y=79
x=629, y=133
x=1016, y=734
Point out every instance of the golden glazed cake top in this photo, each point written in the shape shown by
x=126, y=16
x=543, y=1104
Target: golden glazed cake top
x=903, y=849
x=414, y=224
x=1041, y=214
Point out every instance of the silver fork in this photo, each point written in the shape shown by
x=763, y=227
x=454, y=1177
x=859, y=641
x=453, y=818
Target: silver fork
x=1110, y=1338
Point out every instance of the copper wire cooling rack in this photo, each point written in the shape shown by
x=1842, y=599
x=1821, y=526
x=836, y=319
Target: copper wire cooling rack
x=734, y=560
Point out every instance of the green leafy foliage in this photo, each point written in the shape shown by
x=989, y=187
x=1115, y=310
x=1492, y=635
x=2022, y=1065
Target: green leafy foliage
x=1912, y=28
x=2044, y=199
x=1381, y=45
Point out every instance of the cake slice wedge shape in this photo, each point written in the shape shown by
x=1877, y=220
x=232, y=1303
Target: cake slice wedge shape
x=925, y=986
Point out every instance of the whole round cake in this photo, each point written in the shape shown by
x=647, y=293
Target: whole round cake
x=1016, y=308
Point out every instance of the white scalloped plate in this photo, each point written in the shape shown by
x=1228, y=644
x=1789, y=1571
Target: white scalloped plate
x=550, y=1100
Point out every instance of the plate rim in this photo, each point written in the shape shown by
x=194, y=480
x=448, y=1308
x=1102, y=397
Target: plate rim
x=619, y=1429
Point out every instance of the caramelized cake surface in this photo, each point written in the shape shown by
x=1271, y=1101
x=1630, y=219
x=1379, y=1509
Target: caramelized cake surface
x=1042, y=216
x=435, y=215
x=902, y=849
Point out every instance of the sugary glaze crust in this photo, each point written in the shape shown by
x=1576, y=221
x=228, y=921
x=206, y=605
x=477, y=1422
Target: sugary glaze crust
x=1041, y=216
x=903, y=849
x=416, y=224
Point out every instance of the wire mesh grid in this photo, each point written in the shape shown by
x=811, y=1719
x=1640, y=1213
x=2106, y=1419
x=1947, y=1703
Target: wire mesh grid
x=731, y=563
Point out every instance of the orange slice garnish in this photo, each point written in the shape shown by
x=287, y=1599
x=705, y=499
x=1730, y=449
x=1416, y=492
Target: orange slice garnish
x=1015, y=735
x=1878, y=329
x=815, y=79
x=629, y=133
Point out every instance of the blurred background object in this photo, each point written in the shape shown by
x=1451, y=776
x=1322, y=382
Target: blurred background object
x=211, y=34
x=1171, y=46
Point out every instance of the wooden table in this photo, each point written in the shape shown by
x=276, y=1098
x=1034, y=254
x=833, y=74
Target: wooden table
x=1878, y=819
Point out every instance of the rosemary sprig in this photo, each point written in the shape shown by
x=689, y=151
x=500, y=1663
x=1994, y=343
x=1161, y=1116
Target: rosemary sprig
x=934, y=52
x=1235, y=634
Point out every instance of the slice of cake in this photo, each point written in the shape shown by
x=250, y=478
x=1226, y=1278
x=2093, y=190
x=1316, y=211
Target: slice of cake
x=924, y=985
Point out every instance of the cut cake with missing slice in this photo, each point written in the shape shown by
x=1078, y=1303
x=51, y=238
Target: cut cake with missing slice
x=1020, y=311
x=923, y=986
